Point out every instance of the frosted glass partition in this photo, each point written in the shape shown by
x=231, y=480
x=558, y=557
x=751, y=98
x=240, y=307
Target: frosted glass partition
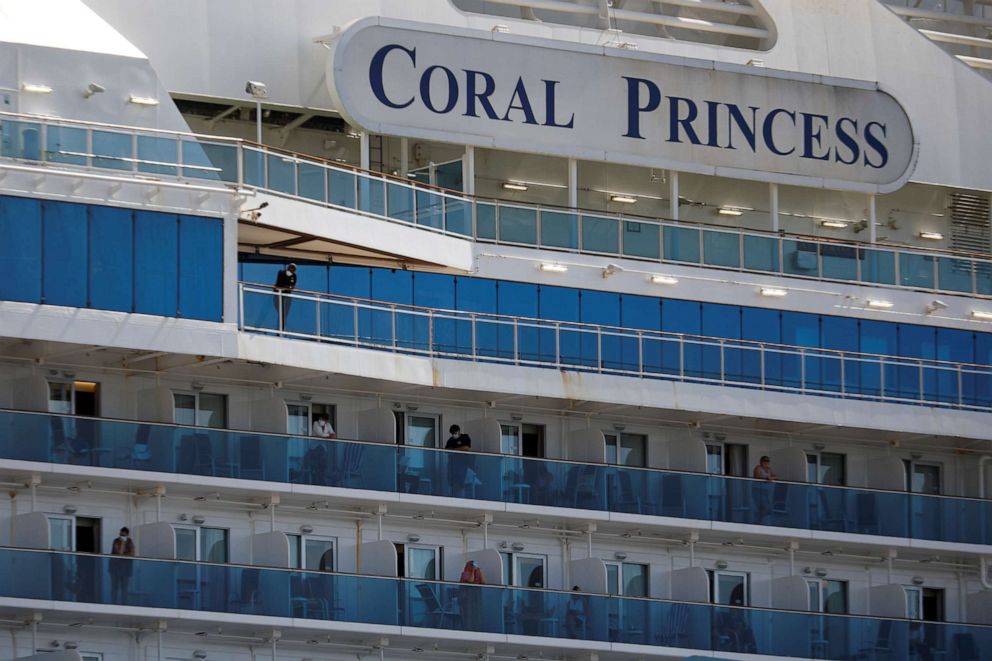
x=31, y=531
x=31, y=393
x=157, y=404
x=378, y=558
x=589, y=574
x=155, y=540
x=377, y=426
x=484, y=432
x=690, y=584
x=790, y=593
x=270, y=549
x=887, y=601
x=586, y=445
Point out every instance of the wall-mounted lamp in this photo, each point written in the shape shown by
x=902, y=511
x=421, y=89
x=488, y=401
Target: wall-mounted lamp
x=306, y=529
x=981, y=315
x=34, y=88
x=918, y=580
x=932, y=236
x=553, y=267
x=69, y=509
x=516, y=417
x=834, y=224
x=730, y=211
x=199, y=519
x=501, y=28
x=623, y=199
x=611, y=269
x=413, y=538
x=618, y=426
x=663, y=280
x=721, y=564
x=196, y=385
x=142, y=100
x=934, y=305
x=879, y=304
x=620, y=555
x=503, y=544
x=517, y=546
x=199, y=654
x=773, y=292
x=305, y=396
x=93, y=88
x=514, y=186
x=820, y=571
x=183, y=516
x=412, y=407
x=70, y=645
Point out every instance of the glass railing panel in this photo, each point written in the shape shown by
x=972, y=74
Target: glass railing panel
x=485, y=221
x=983, y=278
x=399, y=202
x=21, y=140
x=877, y=266
x=600, y=234
x=342, y=188
x=722, y=249
x=65, y=144
x=210, y=160
x=955, y=274
x=254, y=167
x=761, y=253
x=681, y=244
x=800, y=258
x=458, y=216
x=517, y=224
x=260, y=309
x=112, y=150
x=281, y=173
x=839, y=262
x=430, y=209
x=157, y=155
x=559, y=230
x=313, y=179
x=916, y=270
x=371, y=195
x=299, y=314
x=641, y=239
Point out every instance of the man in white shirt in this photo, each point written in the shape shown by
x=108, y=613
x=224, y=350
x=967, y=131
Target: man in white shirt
x=322, y=427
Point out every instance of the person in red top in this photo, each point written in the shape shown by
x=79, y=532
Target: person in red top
x=470, y=596
x=120, y=569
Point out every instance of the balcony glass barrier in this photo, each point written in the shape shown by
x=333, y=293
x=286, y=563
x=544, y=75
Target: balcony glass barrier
x=618, y=351
x=498, y=478
x=236, y=162
x=241, y=590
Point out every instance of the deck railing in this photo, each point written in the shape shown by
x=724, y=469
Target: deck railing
x=242, y=164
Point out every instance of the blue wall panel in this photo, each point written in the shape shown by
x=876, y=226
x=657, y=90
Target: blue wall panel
x=201, y=271
x=20, y=250
x=156, y=260
x=65, y=253
x=111, y=259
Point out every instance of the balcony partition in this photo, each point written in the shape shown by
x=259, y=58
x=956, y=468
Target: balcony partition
x=85, y=578
x=490, y=338
x=216, y=161
x=68, y=440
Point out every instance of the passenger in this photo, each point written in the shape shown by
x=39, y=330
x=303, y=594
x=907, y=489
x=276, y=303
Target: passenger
x=322, y=427
x=470, y=598
x=761, y=494
x=763, y=471
x=285, y=284
x=575, y=614
x=120, y=570
x=460, y=471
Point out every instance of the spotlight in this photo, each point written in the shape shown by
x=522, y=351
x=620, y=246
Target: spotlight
x=93, y=88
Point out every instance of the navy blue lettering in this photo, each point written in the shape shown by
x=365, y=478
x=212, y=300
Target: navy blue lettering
x=813, y=135
x=425, y=89
x=748, y=130
x=472, y=94
x=520, y=94
x=768, y=130
x=712, y=110
x=375, y=73
x=876, y=143
x=634, y=107
x=675, y=119
x=847, y=139
x=549, y=107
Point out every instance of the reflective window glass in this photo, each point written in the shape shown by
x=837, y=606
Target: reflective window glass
x=185, y=543
x=681, y=244
x=213, y=545
x=298, y=419
x=600, y=234
x=721, y=249
x=518, y=225
x=421, y=562
x=635, y=580
x=60, y=529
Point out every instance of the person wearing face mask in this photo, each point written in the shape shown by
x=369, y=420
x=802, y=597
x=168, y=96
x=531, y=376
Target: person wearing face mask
x=460, y=469
x=120, y=569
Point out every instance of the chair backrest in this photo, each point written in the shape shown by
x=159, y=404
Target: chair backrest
x=204, y=450
x=884, y=634
x=251, y=452
x=427, y=594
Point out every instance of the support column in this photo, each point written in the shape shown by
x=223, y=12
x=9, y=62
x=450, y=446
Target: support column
x=673, y=193
x=573, y=183
x=468, y=170
x=363, y=146
x=404, y=157
x=872, y=230
x=773, y=204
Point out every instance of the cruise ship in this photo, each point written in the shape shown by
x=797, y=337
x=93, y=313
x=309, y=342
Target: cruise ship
x=495, y=330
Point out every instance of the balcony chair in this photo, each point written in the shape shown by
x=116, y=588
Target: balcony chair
x=348, y=464
x=672, y=496
x=882, y=647
x=676, y=631
x=629, y=500
x=249, y=597
x=303, y=600
x=195, y=455
x=436, y=614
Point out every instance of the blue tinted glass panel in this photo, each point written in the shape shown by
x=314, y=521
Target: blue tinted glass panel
x=351, y=281
x=682, y=244
x=338, y=320
x=201, y=268
x=449, y=175
x=602, y=309
x=955, y=346
x=433, y=290
x=721, y=249
x=371, y=195
x=312, y=278
x=878, y=266
x=799, y=258
x=64, y=254
x=841, y=334
x=759, y=325
x=519, y=300
x=721, y=321
x=282, y=173
x=254, y=167
x=219, y=160
x=66, y=145
x=458, y=216
x=112, y=150
x=641, y=239
x=559, y=230
x=399, y=202
x=156, y=252
x=485, y=221
x=983, y=278
x=916, y=270
x=681, y=317
x=954, y=274
x=157, y=155
x=20, y=140
x=760, y=253
x=914, y=382
x=877, y=337
x=803, y=330
x=600, y=234
x=559, y=303
x=476, y=295
x=312, y=178
x=430, y=209
x=839, y=262
x=518, y=225
x=393, y=286
x=20, y=249
x=981, y=391
x=111, y=259
x=341, y=188
x=641, y=312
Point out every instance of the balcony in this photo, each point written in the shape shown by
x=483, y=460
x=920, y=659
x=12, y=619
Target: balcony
x=494, y=610
x=229, y=163
x=573, y=346
x=65, y=440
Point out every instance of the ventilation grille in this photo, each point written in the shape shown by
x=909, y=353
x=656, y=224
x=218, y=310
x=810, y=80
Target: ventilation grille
x=736, y=23
x=970, y=222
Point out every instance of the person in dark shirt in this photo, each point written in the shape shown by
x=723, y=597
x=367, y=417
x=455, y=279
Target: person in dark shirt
x=459, y=465
x=285, y=284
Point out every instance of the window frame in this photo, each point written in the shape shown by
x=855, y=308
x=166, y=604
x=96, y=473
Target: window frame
x=715, y=574
x=195, y=394
x=198, y=540
x=621, y=578
x=299, y=561
x=618, y=437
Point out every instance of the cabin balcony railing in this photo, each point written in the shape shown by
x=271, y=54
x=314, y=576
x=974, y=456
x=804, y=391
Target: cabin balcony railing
x=522, y=341
x=55, y=577
x=228, y=162
x=389, y=468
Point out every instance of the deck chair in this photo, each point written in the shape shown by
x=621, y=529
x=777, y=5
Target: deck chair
x=676, y=631
x=629, y=500
x=436, y=614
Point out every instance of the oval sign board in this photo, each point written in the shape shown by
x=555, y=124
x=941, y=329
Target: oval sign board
x=595, y=103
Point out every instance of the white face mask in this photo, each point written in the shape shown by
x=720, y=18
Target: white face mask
x=123, y=538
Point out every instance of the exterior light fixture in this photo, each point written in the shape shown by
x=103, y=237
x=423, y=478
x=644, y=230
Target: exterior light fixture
x=500, y=27
x=93, y=88
x=981, y=315
x=880, y=304
x=143, y=100
x=514, y=185
x=413, y=538
x=834, y=224
x=773, y=292
x=623, y=199
x=933, y=236
x=721, y=564
x=664, y=280
x=554, y=267
x=34, y=88
x=730, y=211
x=306, y=529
